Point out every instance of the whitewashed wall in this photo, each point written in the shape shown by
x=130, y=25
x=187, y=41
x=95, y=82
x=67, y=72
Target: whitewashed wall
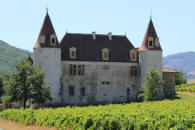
x=147, y=60
x=49, y=59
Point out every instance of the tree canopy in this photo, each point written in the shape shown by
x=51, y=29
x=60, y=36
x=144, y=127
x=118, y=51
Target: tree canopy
x=180, y=78
x=27, y=84
x=151, y=86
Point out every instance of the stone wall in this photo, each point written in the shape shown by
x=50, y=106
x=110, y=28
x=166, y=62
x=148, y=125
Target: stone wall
x=169, y=86
x=122, y=87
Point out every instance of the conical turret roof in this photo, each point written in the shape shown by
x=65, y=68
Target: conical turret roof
x=150, y=32
x=47, y=30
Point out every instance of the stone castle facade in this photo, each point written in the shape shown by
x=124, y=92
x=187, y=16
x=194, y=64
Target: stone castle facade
x=95, y=68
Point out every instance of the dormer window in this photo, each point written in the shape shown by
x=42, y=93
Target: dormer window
x=150, y=42
x=105, y=54
x=133, y=55
x=53, y=39
x=72, y=53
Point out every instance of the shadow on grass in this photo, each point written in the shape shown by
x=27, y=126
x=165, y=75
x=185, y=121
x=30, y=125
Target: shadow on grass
x=174, y=97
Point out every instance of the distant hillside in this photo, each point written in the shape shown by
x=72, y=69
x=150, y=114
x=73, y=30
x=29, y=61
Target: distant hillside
x=182, y=61
x=9, y=56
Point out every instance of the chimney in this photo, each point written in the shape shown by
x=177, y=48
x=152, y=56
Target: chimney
x=110, y=36
x=93, y=34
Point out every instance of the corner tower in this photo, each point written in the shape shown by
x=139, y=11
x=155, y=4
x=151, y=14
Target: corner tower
x=47, y=56
x=150, y=52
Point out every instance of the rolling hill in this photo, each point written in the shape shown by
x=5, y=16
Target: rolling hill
x=9, y=56
x=182, y=61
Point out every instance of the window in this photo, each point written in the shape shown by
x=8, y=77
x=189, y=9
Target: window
x=105, y=82
x=77, y=69
x=82, y=91
x=133, y=55
x=105, y=54
x=71, y=91
x=72, y=53
x=133, y=71
x=81, y=69
x=128, y=90
x=150, y=42
x=73, y=69
x=53, y=39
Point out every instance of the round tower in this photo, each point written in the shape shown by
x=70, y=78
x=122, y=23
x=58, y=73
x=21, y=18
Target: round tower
x=150, y=53
x=47, y=56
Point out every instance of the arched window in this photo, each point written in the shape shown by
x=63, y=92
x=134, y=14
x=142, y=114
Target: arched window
x=72, y=53
x=105, y=54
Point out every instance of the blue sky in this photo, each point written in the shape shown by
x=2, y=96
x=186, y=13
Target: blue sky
x=174, y=20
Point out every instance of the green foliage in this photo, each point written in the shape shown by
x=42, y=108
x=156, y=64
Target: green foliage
x=6, y=100
x=140, y=97
x=9, y=57
x=180, y=78
x=1, y=85
x=151, y=86
x=27, y=84
x=162, y=115
x=186, y=87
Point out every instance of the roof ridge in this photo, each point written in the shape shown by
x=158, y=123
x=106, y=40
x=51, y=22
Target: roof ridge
x=96, y=34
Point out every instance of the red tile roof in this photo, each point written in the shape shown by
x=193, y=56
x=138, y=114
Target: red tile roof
x=150, y=32
x=169, y=70
x=47, y=30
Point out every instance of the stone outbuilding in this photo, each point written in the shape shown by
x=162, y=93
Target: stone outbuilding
x=169, y=78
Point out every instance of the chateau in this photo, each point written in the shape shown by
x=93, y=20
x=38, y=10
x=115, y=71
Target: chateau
x=96, y=68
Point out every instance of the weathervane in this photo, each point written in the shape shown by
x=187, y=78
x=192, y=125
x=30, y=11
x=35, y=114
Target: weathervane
x=151, y=13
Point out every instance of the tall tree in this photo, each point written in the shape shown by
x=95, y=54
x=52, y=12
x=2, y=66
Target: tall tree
x=27, y=84
x=180, y=78
x=151, y=86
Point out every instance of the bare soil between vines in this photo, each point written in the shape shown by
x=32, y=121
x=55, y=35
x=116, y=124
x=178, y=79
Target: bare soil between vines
x=187, y=93
x=10, y=125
